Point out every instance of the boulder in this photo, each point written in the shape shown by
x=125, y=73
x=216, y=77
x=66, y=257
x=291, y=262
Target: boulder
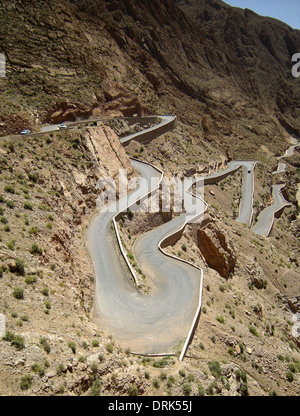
x=216, y=248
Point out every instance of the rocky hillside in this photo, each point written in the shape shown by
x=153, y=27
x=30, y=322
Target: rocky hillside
x=261, y=48
x=226, y=74
x=92, y=56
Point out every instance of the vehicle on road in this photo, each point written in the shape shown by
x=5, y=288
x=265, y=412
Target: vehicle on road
x=249, y=170
x=25, y=131
x=62, y=126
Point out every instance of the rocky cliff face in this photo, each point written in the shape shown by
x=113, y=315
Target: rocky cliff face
x=217, y=249
x=203, y=60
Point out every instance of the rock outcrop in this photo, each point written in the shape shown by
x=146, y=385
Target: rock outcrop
x=216, y=248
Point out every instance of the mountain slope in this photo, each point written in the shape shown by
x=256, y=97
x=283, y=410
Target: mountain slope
x=87, y=57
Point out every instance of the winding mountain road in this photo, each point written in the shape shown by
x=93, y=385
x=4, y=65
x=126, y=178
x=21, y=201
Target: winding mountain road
x=153, y=323
x=266, y=218
x=148, y=323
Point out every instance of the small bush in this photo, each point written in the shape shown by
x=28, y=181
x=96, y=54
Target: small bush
x=253, y=331
x=16, y=340
x=31, y=279
x=182, y=373
x=96, y=389
x=35, y=249
x=45, y=291
x=109, y=347
x=133, y=390
x=18, y=293
x=33, y=230
x=20, y=267
x=27, y=205
x=33, y=177
x=161, y=363
x=101, y=358
x=72, y=346
x=47, y=304
x=215, y=368
x=10, y=204
x=186, y=388
x=155, y=383
x=201, y=391
x=38, y=369
x=9, y=188
x=11, y=245
x=44, y=343
x=26, y=382
x=44, y=207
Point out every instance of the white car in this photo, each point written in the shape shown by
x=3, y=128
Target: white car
x=26, y=131
x=62, y=126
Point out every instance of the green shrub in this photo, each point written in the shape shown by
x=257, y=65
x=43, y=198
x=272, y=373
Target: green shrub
x=35, y=249
x=109, y=347
x=38, y=369
x=96, y=389
x=44, y=207
x=253, y=330
x=16, y=340
x=45, y=291
x=155, y=383
x=33, y=230
x=18, y=293
x=33, y=177
x=27, y=205
x=182, y=373
x=186, y=388
x=10, y=204
x=20, y=266
x=215, y=368
x=160, y=363
x=31, y=279
x=9, y=188
x=47, y=304
x=60, y=369
x=201, y=391
x=26, y=382
x=11, y=245
x=44, y=343
x=72, y=346
x=133, y=390
x=101, y=358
